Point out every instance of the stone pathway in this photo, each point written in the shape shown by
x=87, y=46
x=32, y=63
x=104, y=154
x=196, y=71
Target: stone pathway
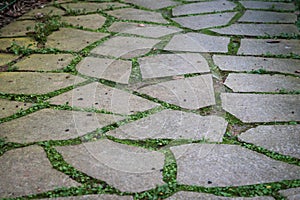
x=160, y=99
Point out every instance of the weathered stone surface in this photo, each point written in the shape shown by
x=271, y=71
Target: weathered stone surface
x=29, y=43
x=99, y=96
x=172, y=64
x=35, y=83
x=44, y=62
x=138, y=15
x=148, y=30
x=291, y=194
x=48, y=10
x=203, y=7
x=267, y=16
x=94, y=197
x=205, y=21
x=282, y=139
x=68, y=39
x=125, y=167
x=191, y=93
x=125, y=47
x=7, y=58
x=153, y=4
x=258, y=29
x=54, y=125
x=267, y=46
x=27, y=170
x=93, y=21
x=247, y=63
x=262, y=83
x=17, y=28
x=9, y=108
x=85, y=7
x=114, y=70
x=197, y=42
x=219, y=165
x=173, y=125
x=262, y=107
x=268, y=5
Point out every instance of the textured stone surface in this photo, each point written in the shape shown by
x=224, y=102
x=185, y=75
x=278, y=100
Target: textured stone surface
x=5, y=43
x=125, y=167
x=197, y=42
x=93, y=21
x=94, y=197
x=205, y=21
x=17, y=28
x=114, y=70
x=267, y=16
x=291, y=194
x=9, y=108
x=35, y=83
x=27, y=171
x=191, y=93
x=173, y=125
x=268, y=5
x=172, y=64
x=54, y=125
x=99, y=96
x=48, y=10
x=241, y=63
x=262, y=107
x=153, y=4
x=219, y=165
x=6, y=58
x=91, y=6
x=283, y=139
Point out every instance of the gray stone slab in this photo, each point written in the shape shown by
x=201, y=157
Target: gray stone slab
x=9, y=108
x=220, y=165
x=197, y=42
x=153, y=4
x=291, y=194
x=94, y=197
x=251, y=108
x=268, y=5
x=35, y=83
x=48, y=10
x=125, y=47
x=262, y=83
x=190, y=93
x=268, y=16
x=163, y=65
x=267, y=47
x=7, y=58
x=114, y=70
x=93, y=21
x=17, y=28
x=86, y=7
x=68, y=39
x=50, y=124
x=147, y=30
x=205, y=21
x=172, y=124
x=203, y=7
x=99, y=96
x=128, y=168
x=247, y=63
x=29, y=43
x=283, y=139
x=27, y=170
x=258, y=29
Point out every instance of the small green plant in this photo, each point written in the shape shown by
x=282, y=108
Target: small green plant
x=20, y=50
x=259, y=71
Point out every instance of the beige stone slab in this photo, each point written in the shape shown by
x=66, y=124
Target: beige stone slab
x=268, y=5
x=5, y=43
x=153, y=4
x=93, y=21
x=268, y=16
x=48, y=10
x=9, y=108
x=6, y=58
x=291, y=194
x=17, y=28
x=87, y=7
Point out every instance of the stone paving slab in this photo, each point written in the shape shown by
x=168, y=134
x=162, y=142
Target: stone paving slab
x=248, y=63
x=190, y=93
x=163, y=65
x=27, y=170
x=153, y=4
x=220, y=165
x=87, y=7
x=5, y=43
x=7, y=58
x=48, y=10
x=117, y=164
x=268, y=16
x=291, y=194
x=93, y=21
x=283, y=139
x=197, y=42
x=205, y=21
x=172, y=124
x=9, y=108
x=99, y=96
x=17, y=28
x=94, y=197
x=268, y=5
x=250, y=108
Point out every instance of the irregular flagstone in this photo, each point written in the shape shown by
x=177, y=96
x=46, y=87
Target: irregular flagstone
x=291, y=194
x=172, y=64
x=172, y=124
x=268, y=46
x=267, y=16
x=153, y=4
x=197, y=42
x=191, y=93
x=50, y=124
x=29, y=43
x=93, y=21
x=258, y=29
x=205, y=21
x=125, y=47
x=68, y=39
x=7, y=58
x=138, y=15
x=85, y=7
x=17, y=28
x=262, y=83
x=9, y=108
x=35, y=83
x=128, y=168
x=26, y=171
x=114, y=70
x=283, y=139
x=48, y=10
x=247, y=63
x=99, y=96
x=94, y=197
x=220, y=165
x=268, y=5
x=251, y=108
x=147, y=30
